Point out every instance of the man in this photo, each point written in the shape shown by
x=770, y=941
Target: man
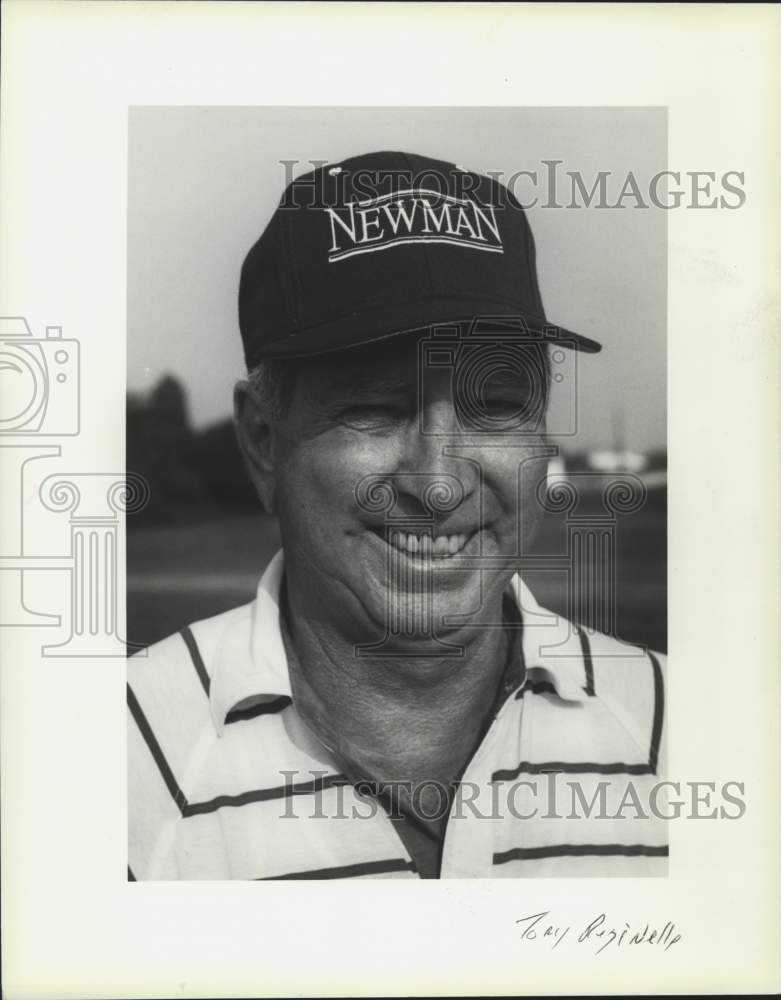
x=394, y=703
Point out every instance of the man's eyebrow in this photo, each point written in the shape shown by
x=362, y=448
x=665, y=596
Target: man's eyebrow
x=370, y=385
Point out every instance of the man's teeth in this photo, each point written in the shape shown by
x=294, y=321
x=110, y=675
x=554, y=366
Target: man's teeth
x=441, y=547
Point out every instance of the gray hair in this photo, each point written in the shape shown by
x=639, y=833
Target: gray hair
x=273, y=382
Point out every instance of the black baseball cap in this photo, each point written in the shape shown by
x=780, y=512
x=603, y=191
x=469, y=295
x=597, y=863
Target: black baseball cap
x=383, y=244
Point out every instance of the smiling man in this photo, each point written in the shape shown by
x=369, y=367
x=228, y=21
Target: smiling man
x=394, y=703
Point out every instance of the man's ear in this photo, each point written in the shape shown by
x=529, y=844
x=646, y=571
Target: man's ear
x=252, y=419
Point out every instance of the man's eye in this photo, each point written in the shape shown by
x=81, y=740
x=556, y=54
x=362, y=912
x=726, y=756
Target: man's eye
x=500, y=414
x=372, y=414
x=504, y=405
x=519, y=408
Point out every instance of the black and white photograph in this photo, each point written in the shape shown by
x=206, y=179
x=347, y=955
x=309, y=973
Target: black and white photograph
x=402, y=585
x=389, y=435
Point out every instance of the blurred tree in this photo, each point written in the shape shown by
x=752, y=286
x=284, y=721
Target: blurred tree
x=169, y=403
x=219, y=463
x=189, y=473
x=657, y=459
x=161, y=446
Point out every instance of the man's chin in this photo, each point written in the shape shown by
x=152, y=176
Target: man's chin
x=444, y=609
x=413, y=596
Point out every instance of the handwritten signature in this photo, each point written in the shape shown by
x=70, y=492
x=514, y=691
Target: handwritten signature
x=599, y=932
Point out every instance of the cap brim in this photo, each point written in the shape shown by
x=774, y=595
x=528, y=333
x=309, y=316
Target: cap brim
x=393, y=320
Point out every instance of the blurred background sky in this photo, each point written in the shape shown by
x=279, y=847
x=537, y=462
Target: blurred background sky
x=203, y=182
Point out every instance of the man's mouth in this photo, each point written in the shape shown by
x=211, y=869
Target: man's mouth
x=421, y=545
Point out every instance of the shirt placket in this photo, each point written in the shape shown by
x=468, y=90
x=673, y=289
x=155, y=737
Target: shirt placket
x=468, y=846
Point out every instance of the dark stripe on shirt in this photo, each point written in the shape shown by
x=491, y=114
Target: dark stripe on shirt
x=265, y=795
x=656, y=731
x=262, y=708
x=195, y=656
x=588, y=663
x=348, y=871
x=581, y=850
x=569, y=767
x=536, y=687
x=154, y=748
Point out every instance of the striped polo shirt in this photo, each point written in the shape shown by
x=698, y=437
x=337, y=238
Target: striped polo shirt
x=226, y=781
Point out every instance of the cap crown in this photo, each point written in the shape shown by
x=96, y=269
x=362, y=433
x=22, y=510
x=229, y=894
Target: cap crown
x=383, y=243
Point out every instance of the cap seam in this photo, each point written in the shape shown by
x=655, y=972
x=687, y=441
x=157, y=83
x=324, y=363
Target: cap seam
x=423, y=246
x=531, y=248
x=288, y=255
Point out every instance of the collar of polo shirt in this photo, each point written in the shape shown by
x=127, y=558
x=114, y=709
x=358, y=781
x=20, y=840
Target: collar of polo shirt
x=243, y=676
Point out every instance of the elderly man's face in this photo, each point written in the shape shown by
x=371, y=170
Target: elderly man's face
x=385, y=491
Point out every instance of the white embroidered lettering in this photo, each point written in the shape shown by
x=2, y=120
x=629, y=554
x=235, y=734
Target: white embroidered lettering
x=430, y=213
x=493, y=225
x=402, y=214
x=350, y=230
x=369, y=218
x=409, y=217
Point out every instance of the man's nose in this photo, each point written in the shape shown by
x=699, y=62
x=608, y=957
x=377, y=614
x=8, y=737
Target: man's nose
x=431, y=468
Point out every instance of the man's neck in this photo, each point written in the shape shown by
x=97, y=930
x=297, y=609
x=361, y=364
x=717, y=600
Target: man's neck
x=396, y=718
